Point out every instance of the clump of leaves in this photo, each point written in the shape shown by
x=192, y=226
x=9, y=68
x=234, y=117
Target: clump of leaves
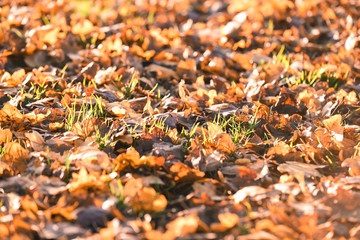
x=60, y=159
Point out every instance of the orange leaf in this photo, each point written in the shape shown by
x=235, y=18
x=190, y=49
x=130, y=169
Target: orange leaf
x=83, y=181
x=224, y=142
x=5, y=135
x=182, y=226
x=333, y=124
x=53, y=126
x=15, y=156
x=184, y=173
x=187, y=68
x=246, y=173
x=227, y=221
x=4, y=231
x=142, y=198
x=9, y=114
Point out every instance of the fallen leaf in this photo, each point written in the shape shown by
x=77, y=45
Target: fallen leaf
x=84, y=181
x=184, y=173
x=5, y=135
x=15, y=156
x=10, y=114
x=294, y=168
x=182, y=226
x=142, y=198
x=227, y=221
x=36, y=141
x=333, y=124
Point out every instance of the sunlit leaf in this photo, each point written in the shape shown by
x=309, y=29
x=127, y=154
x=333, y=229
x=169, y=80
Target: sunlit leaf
x=142, y=198
x=227, y=221
x=84, y=181
x=15, y=156
x=184, y=173
x=5, y=135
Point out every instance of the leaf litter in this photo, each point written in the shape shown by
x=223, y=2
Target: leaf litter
x=179, y=119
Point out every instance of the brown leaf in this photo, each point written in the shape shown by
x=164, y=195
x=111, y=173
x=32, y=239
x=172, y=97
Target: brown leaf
x=224, y=142
x=287, y=103
x=162, y=72
x=85, y=128
x=148, y=108
x=15, y=156
x=294, y=168
x=36, y=141
x=333, y=124
x=90, y=155
x=353, y=164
